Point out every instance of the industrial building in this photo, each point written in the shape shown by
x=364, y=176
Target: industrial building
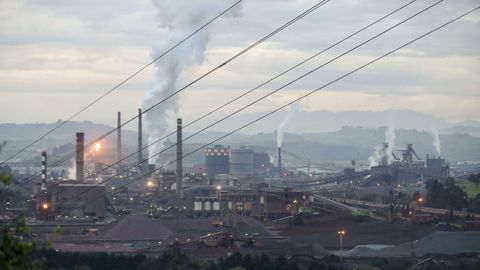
x=241, y=162
x=69, y=199
x=437, y=167
x=217, y=161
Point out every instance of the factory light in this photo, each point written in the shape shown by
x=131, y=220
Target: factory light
x=45, y=206
x=98, y=146
x=219, y=187
x=150, y=184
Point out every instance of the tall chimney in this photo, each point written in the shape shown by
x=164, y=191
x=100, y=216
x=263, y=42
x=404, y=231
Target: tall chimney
x=79, y=158
x=44, y=170
x=140, y=146
x=279, y=160
x=179, y=170
x=119, y=136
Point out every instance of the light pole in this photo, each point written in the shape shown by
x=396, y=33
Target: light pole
x=341, y=233
x=219, y=188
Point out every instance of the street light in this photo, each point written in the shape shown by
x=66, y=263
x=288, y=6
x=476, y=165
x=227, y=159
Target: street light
x=219, y=188
x=341, y=233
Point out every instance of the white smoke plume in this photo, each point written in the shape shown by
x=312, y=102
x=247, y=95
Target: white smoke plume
x=72, y=171
x=436, y=140
x=283, y=124
x=390, y=139
x=178, y=19
x=376, y=158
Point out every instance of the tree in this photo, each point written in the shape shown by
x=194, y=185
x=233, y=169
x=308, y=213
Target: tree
x=448, y=195
x=435, y=193
x=14, y=248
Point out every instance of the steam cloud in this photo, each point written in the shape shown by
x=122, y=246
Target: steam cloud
x=178, y=19
x=436, y=140
x=390, y=139
x=283, y=124
x=380, y=153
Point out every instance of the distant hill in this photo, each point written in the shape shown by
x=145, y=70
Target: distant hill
x=301, y=122
x=26, y=132
x=319, y=135
x=356, y=143
x=453, y=146
x=326, y=121
x=463, y=129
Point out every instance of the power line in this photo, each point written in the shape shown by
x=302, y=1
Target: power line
x=280, y=88
x=246, y=93
x=306, y=95
x=284, y=26
x=124, y=81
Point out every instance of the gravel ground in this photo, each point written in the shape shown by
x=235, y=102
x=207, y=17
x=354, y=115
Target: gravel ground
x=359, y=231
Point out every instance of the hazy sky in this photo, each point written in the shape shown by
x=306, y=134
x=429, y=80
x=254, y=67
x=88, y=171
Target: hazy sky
x=56, y=56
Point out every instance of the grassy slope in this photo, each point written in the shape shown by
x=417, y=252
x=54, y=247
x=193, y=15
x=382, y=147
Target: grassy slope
x=471, y=188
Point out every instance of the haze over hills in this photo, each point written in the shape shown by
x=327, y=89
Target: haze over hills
x=326, y=121
x=301, y=122
x=320, y=135
x=358, y=143
x=26, y=132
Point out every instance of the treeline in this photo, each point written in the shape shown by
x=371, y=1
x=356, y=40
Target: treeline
x=171, y=259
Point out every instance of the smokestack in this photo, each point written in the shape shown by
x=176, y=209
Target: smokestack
x=119, y=136
x=79, y=158
x=179, y=170
x=140, y=134
x=44, y=170
x=279, y=160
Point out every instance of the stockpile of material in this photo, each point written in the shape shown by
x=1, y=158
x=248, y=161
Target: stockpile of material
x=439, y=242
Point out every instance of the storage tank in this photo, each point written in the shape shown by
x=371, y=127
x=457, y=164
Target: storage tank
x=197, y=206
x=207, y=206
x=216, y=160
x=216, y=206
x=241, y=161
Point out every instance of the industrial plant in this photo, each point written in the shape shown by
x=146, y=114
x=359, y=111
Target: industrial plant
x=190, y=136
x=242, y=197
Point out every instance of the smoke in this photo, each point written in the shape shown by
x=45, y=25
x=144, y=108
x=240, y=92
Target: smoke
x=178, y=19
x=376, y=157
x=283, y=124
x=436, y=140
x=390, y=139
x=381, y=154
x=72, y=171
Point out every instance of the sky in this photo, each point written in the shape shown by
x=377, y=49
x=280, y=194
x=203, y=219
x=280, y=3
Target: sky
x=57, y=56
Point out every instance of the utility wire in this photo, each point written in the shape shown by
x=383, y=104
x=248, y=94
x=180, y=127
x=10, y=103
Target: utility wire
x=301, y=97
x=278, y=89
x=263, y=39
x=124, y=81
x=244, y=94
